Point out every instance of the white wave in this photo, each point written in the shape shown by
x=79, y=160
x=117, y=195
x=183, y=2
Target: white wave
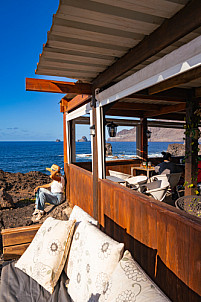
x=83, y=155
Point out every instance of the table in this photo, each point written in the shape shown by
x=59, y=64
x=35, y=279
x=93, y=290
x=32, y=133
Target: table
x=148, y=170
x=116, y=179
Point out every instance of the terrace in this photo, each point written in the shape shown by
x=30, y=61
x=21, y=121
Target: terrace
x=142, y=60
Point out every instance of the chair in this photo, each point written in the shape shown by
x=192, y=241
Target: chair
x=136, y=181
x=157, y=189
x=172, y=178
x=119, y=174
x=190, y=204
x=163, y=178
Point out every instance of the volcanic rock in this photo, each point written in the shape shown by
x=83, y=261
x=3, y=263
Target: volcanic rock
x=83, y=139
x=6, y=200
x=108, y=148
x=176, y=149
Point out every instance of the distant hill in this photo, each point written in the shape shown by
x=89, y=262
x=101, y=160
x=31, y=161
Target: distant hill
x=157, y=135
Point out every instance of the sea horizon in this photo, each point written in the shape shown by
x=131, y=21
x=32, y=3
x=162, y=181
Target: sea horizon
x=26, y=156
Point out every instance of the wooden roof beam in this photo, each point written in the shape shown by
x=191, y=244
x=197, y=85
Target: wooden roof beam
x=166, y=110
x=171, y=30
x=78, y=101
x=128, y=113
x=180, y=79
x=134, y=106
x=63, y=105
x=57, y=86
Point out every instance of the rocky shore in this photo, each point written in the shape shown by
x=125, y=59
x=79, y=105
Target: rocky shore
x=17, y=199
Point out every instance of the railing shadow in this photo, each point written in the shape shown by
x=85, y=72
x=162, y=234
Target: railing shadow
x=152, y=264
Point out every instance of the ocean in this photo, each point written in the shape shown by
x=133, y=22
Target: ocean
x=36, y=156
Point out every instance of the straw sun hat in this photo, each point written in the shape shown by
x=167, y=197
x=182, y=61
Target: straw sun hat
x=54, y=168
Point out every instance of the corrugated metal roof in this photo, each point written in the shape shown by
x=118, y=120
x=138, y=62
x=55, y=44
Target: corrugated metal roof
x=87, y=36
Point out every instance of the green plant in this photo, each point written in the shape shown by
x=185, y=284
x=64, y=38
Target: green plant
x=192, y=132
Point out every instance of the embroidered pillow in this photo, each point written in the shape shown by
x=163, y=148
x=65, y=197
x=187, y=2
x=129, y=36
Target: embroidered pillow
x=93, y=257
x=45, y=257
x=130, y=283
x=80, y=215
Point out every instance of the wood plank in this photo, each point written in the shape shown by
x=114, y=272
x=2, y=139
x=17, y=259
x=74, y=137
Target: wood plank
x=195, y=268
x=65, y=138
x=96, y=203
x=171, y=30
x=19, y=235
x=177, y=80
x=165, y=110
x=78, y=101
x=57, y=86
x=15, y=251
x=134, y=106
x=129, y=113
x=198, y=92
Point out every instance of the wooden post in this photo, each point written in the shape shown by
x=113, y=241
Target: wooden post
x=95, y=161
x=191, y=156
x=66, y=167
x=138, y=141
x=72, y=140
x=143, y=135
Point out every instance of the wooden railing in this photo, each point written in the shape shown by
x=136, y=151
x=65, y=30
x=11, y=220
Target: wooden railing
x=164, y=240
x=81, y=188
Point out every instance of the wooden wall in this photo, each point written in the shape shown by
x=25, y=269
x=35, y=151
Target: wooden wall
x=165, y=241
x=81, y=188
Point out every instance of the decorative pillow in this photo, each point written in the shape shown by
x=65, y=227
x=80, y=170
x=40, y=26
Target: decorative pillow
x=80, y=215
x=92, y=259
x=45, y=257
x=130, y=283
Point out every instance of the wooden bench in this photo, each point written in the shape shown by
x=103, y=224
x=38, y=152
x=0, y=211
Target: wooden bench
x=16, y=240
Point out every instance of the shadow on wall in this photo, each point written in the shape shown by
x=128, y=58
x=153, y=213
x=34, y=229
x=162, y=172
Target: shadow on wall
x=152, y=264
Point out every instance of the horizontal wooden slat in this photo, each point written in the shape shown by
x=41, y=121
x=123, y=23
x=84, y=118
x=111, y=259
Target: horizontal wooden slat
x=19, y=235
x=13, y=252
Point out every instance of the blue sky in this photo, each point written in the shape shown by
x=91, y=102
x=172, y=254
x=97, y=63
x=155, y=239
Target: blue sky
x=26, y=115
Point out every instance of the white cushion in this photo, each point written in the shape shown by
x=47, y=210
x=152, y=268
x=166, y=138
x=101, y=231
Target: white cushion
x=80, y=215
x=45, y=257
x=93, y=257
x=130, y=283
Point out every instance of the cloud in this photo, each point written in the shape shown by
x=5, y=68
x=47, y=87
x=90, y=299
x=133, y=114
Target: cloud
x=14, y=128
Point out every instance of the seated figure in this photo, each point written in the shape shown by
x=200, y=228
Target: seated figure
x=51, y=193
x=167, y=166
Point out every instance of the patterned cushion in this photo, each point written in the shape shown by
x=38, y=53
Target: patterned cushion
x=93, y=257
x=80, y=215
x=130, y=283
x=45, y=257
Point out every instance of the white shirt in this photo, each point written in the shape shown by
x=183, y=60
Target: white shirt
x=58, y=186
